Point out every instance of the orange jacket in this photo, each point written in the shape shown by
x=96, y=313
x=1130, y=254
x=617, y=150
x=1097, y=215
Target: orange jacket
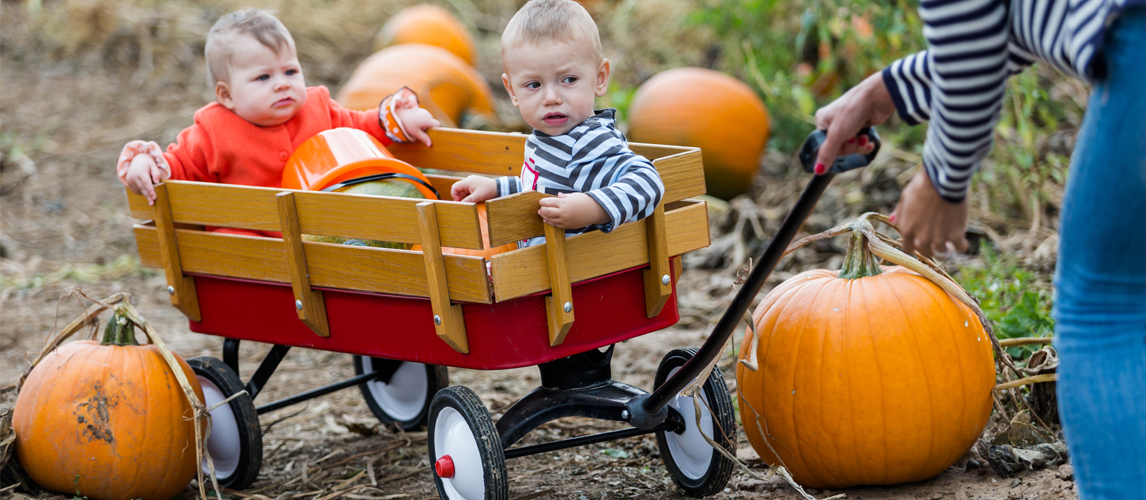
x=223, y=147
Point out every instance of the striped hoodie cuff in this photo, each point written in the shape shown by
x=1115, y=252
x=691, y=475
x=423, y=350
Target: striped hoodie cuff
x=507, y=185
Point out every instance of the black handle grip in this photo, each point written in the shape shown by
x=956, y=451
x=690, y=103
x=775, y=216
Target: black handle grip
x=816, y=139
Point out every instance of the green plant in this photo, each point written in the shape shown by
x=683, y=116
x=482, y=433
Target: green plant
x=800, y=56
x=1018, y=301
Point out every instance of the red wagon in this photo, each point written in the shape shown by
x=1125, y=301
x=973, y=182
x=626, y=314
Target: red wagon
x=405, y=315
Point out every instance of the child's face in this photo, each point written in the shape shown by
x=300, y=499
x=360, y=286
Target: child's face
x=264, y=88
x=554, y=85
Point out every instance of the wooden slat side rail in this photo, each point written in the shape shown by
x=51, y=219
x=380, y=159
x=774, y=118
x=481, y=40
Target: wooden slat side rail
x=385, y=219
x=658, y=151
x=525, y=271
x=658, y=279
x=469, y=151
x=559, y=303
x=682, y=175
x=513, y=218
x=449, y=323
x=181, y=287
x=328, y=214
x=397, y=272
x=490, y=153
x=309, y=304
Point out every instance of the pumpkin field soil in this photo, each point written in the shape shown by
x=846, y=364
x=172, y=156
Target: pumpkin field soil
x=64, y=223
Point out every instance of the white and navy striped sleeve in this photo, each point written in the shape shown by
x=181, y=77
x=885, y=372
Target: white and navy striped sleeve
x=624, y=183
x=958, y=84
x=507, y=185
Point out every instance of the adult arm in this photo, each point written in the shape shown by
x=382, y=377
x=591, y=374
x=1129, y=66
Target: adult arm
x=958, y=84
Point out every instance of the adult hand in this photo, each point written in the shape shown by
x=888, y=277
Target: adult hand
x=928, y=223
x=865, y=105
x=572, y=211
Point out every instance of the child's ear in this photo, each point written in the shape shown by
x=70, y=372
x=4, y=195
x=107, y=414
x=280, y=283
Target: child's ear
x=509, y=88
x=223, y=95
x=602, y=84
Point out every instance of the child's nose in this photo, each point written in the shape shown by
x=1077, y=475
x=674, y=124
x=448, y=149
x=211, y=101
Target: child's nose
x=552, y=97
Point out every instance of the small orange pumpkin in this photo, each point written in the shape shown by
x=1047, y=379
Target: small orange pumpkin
x=706, y=109
x=107, y=420
x=445, y=84
x=869, y=377
x=431, y=25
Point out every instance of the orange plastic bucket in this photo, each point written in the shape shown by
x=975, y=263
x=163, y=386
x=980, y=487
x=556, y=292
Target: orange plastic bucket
x=341, y=155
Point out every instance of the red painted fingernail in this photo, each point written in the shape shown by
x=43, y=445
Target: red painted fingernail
x=863, y=140
x=892, y=218
x=852, y=140
x=820, y=169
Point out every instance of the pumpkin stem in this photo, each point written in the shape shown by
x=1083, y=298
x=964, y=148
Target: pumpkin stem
x=120, y=329
x=859, y=261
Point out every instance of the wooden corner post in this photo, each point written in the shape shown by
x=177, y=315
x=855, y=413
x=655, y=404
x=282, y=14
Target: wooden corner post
x=559, y=303
x=308, y=303
x=180, y=287
x=449, y=322
x=658, y=284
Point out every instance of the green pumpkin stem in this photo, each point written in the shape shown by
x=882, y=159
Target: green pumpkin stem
x=859, y=261
x=120, y=330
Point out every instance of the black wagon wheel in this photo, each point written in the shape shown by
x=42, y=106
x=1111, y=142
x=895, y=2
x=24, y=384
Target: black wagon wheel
x=403, y=398
x=695, y=466
x=236, y=441
x=469, y=463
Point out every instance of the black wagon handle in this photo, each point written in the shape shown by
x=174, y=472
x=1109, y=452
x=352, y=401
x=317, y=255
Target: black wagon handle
x=655, y=401
x=811, y=150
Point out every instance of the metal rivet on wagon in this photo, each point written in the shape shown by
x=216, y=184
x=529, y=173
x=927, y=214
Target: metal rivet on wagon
x=568, y=307
x=298, y=305
x=624, y=414
x=170, y=290
x=665, y=279
x=437, y=320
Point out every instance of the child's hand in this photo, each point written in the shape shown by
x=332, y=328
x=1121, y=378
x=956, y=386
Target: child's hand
x=142, y=175
x=572, y=211
x=474, y=189
x=415, y=121
x=140, y=166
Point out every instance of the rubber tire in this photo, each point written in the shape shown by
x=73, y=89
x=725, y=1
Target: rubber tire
x=437, y=378
x=720, y=467
x=469, y=405
x=246, y=419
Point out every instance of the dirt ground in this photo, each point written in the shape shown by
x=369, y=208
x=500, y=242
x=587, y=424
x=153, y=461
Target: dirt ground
x=64, y=223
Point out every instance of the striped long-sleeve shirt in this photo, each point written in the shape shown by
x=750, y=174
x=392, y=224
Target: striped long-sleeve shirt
x=594, y=158
x=958, y=83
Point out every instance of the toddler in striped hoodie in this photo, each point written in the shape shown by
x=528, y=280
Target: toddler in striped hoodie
x=554, y=67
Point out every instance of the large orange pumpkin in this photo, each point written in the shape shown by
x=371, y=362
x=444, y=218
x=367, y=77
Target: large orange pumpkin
x=710, y=110
x=870, y=379
x=446, y=85
x=107, y=420
x=430, y=25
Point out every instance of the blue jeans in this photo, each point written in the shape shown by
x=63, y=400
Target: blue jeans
x=1100, y=279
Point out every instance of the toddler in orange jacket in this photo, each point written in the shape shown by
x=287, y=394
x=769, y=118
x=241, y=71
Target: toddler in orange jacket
x=263, y=111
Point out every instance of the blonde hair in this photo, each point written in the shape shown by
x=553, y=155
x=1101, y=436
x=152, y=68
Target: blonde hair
x=542, y=21
x=257, y=23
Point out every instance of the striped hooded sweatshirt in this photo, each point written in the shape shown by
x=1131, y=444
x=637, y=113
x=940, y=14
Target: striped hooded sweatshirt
x=594, y=158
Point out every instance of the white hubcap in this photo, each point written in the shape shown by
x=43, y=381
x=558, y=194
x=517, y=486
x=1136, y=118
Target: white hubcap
x=453, y=437
x=691, y=453
x=405, y=395
x=223, y=445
